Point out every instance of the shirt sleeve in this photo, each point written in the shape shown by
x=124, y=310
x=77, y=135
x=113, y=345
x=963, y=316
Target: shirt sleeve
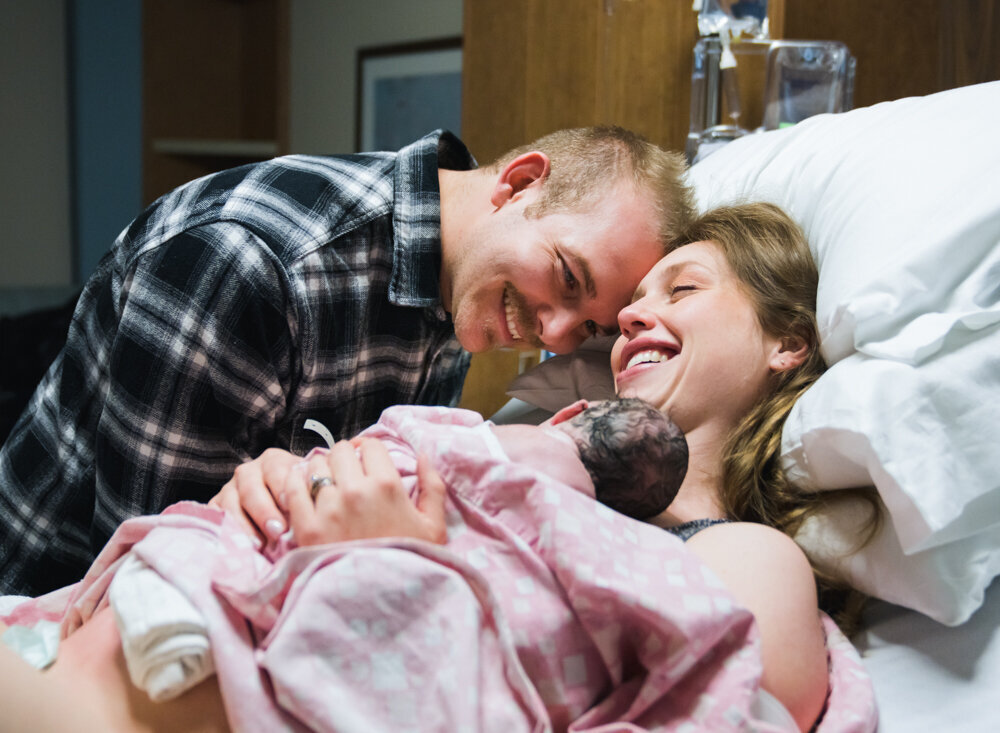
x=176, y=369
x=200, y=372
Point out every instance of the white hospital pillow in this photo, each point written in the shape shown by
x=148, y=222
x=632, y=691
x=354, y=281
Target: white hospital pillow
x=901, y=205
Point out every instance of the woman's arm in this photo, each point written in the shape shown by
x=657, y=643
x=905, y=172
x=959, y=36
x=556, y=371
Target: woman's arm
x=770, y=575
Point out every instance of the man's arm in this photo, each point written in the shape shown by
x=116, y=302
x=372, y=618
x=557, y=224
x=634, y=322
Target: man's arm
x=200, y=371
x=174, y=372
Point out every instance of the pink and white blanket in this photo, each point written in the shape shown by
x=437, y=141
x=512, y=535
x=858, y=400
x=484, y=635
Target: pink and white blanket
x=545, y=611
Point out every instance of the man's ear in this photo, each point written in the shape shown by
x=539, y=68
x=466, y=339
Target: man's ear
x=568, y=412
x=518, y=175
x=789, y=353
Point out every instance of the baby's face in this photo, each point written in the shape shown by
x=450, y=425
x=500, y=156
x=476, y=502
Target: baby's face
x=547, y=448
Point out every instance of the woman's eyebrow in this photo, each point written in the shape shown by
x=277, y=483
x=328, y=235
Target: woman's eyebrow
x=673, y=270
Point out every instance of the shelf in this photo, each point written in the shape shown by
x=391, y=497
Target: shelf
x=196, y=147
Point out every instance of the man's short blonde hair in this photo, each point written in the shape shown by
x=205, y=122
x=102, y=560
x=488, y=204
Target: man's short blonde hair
x=587, y=162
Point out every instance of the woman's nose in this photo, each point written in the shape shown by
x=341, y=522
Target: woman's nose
x=634, y=317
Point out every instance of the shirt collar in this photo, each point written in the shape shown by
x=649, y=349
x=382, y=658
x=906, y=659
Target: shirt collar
x=416, y=265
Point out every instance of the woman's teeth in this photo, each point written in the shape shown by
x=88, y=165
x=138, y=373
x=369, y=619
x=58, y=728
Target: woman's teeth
x=508, y=310
x=647, y=357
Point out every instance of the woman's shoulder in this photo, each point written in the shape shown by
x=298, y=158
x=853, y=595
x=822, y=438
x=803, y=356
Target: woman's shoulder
x=770, y=575
x=760, y=538
x=756, y=556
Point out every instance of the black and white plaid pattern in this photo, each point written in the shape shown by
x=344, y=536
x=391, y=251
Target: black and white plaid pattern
x=225, y=315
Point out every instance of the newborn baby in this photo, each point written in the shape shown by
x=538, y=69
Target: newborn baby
x=623, y=452
x=632, y=454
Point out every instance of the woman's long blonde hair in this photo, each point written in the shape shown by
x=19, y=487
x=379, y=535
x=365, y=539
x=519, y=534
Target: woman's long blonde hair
x=769, y=255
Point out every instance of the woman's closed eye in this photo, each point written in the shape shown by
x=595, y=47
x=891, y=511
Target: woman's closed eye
x=679, y=291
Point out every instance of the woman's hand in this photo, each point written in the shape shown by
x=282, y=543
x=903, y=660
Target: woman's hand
x=366, y=498
x=253, y=494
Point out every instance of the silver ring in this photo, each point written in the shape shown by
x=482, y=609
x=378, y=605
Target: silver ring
x=317, y=482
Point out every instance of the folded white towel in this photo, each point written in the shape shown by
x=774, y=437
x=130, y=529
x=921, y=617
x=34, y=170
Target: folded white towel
x=164, y=637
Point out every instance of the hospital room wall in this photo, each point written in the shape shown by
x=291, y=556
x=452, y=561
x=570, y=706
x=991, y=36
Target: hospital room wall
x=57, y=223
x=34, y=145
x=326, y=38
x=71, y=138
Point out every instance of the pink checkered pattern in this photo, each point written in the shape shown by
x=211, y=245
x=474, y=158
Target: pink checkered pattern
x=545, y=611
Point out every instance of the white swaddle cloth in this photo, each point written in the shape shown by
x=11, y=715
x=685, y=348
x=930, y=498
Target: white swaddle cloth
x=164, y=637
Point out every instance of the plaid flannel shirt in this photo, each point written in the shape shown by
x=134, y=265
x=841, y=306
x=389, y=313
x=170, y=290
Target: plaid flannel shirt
x=230, y=311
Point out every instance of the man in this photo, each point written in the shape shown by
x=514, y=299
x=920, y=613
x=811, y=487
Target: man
x=323, y=287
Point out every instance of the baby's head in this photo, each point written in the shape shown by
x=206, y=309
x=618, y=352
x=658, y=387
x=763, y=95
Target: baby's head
x=635, y=455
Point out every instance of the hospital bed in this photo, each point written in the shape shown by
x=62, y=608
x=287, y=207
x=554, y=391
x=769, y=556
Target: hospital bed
x=901, y=205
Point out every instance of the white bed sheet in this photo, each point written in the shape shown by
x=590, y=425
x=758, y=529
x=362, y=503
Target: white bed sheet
x=927, y=676
x=930, y=677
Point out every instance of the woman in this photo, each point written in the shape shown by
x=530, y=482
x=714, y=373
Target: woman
x=721, y=335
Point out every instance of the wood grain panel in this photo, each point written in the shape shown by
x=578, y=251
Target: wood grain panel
x=647, y=52
x=906, y=48
x=212, y=70
x=485, y=388
x=494, y=75
x=563, y=61
x=776, y=18
x=263, y=59
x=185, y=95
x=895, y=44
x=970, y=38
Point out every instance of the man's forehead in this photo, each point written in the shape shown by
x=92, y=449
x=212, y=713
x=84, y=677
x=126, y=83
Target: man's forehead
x=616, y=274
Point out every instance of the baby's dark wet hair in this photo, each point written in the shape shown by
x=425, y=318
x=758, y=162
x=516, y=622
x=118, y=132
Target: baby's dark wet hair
x=635, y=455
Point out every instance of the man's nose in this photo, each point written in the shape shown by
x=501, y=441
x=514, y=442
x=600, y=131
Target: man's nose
x=560, y=329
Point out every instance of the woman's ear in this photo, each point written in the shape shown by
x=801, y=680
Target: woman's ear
x=518, y=175
x=790, y=352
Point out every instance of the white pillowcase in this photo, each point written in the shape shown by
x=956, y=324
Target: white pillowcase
x=901, y=206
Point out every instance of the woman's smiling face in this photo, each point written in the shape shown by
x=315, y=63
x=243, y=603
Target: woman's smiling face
x=691, y=342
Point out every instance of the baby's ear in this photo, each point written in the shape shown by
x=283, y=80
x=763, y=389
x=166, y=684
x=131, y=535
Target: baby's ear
x=568, y=412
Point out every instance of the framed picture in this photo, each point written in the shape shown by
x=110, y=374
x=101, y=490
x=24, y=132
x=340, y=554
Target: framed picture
x=407, y=90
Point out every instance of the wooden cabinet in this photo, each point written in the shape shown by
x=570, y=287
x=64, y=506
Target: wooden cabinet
x=530, y=67
x=905, y=48
x=533, y=66
x=215, y=87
